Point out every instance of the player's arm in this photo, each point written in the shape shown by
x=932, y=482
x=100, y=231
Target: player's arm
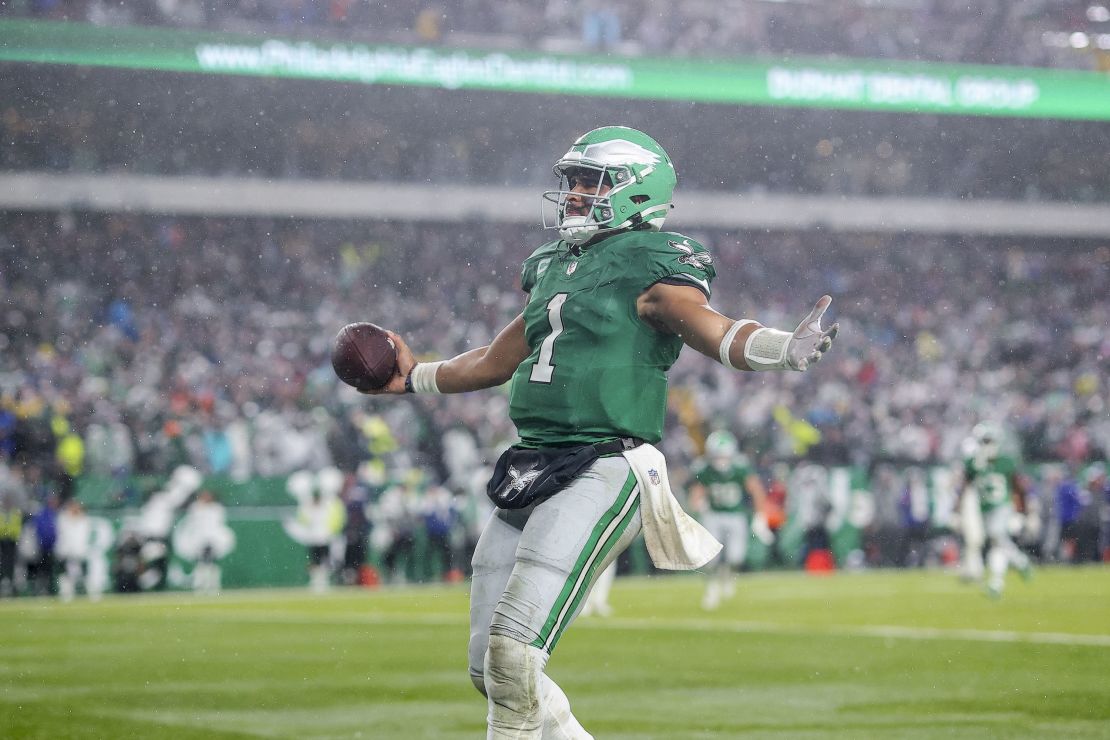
x=758, y=492
x=699, y=499
x=744, y=345
x=484, y=367
x=760, y=527
x=1017, y=485
x=960, y=484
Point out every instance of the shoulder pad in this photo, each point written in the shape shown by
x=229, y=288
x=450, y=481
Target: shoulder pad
x=536, y=263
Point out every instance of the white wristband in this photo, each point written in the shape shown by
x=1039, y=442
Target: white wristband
x=766, y=349
x=726, y=343
x=424, y=377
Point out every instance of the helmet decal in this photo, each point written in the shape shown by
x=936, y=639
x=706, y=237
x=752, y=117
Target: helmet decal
x=721, y=443
x=619, y=152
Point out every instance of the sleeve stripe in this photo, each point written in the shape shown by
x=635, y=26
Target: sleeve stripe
x=684, y=278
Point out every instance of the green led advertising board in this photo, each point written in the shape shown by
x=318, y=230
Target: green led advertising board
x=910, y=87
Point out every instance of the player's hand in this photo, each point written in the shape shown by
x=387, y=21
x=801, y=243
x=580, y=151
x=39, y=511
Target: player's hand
x=810, y=342
x=405, y=362
x=762, y=530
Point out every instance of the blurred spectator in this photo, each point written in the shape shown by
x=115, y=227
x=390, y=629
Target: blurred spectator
x=70, y=457
x=82, y=547
x=441, y=522
x=428, y=24
x=71, y=548
x=916, y=508
x=155, y=524
x=395, y=516
x=815, y=509
x=127, y=562
x=45, y=527
x=319, y=520
x=203, y=538
x=1099, y=485
x=13, y=504
x=1072, y=499
x=1089, y=524
x=601, y=25
x=356, y=530
x=776, y=505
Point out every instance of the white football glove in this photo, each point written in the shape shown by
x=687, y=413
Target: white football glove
x=762, y=530
x=810, y=342
x=774, y=349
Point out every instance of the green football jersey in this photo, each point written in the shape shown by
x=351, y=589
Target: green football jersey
x=990, y=479
x=726, y=489
x=596, y=371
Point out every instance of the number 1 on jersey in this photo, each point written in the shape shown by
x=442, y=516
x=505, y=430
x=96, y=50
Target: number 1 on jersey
x=543, y=368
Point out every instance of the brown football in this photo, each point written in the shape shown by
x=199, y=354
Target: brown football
x=364, y=356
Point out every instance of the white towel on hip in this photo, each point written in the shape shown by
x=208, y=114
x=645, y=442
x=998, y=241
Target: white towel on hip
x=675, y=540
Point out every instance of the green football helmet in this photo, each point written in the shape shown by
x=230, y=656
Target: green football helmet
x=637, y=171
x=988, y=439
x=721, y=444
x=723, y=451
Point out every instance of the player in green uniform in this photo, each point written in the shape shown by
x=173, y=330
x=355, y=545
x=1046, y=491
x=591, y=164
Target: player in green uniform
x=729, y=496
x=610, y=305
x=991, y=478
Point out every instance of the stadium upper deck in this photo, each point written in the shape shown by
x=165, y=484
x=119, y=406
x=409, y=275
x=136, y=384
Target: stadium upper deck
x=1066, y=33
x=93, y=121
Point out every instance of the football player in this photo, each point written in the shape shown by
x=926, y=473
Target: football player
x=728, y=492
x=610, y=303
x=991, y=479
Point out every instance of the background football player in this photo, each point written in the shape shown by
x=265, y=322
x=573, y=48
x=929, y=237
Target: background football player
x=729, y=496
x=610, y=304
x=991, y=479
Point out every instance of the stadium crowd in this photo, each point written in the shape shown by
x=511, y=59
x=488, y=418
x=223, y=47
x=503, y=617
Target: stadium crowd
x=131, y=345
x=140, y=320
x=110, y=122
x=995, y=32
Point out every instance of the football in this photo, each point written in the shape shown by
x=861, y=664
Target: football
x=364, y=356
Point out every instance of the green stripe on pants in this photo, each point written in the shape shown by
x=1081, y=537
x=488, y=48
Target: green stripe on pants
x=606, y=533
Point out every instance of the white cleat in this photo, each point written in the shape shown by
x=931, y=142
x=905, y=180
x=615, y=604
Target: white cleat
x=712, y=599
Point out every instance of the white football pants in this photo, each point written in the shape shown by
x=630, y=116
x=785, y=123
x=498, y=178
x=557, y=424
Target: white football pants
x=1003, y=553
x=533, y=569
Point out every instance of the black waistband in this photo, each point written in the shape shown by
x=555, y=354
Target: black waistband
x=622, y=444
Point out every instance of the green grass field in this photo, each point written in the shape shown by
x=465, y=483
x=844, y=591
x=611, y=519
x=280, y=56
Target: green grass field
x=871, y=655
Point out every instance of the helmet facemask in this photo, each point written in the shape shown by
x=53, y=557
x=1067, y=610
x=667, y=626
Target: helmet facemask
x=595, y=209
x=988, y=440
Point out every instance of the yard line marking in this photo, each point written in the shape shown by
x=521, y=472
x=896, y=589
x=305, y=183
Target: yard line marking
x=690, y=625
x=877, y=631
